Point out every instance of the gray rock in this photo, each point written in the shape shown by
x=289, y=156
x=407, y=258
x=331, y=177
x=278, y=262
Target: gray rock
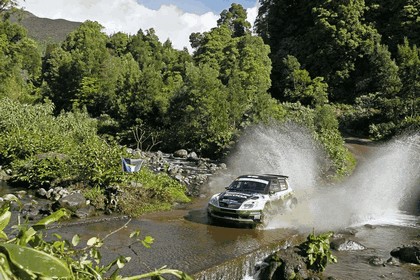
x=72, y=202
x=376, y=261
x=192, y=157
x=85, y=212
x=343, y=244
x=42, y=192
x=393, y=261
x=182, y=153
x=223, y=166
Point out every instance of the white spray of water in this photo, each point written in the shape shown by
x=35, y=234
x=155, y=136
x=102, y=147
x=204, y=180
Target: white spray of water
x=385, y=183
x=287, y=150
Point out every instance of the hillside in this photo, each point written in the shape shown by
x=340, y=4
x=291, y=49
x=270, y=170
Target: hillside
x=46, y=30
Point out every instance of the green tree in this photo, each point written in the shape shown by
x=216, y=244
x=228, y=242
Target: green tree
x=331, y=39
x=242, y=61
x=199, y=112
x=20, y=63
x=300, y=87
x=7, y=8
x=395, y=20
x=77, y=66
x=409, y=69
x=235, y=19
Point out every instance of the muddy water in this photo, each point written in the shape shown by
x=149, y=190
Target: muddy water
x=185, y=241
x=182, y=239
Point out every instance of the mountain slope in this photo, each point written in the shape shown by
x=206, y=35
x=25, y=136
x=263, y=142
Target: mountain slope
x=45, y=30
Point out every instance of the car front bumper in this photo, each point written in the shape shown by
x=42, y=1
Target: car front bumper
x=234, y=215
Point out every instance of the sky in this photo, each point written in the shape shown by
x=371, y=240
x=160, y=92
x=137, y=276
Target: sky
x=172, y=19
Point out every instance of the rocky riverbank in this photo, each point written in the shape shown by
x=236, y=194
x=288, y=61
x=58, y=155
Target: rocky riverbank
x=183, y=166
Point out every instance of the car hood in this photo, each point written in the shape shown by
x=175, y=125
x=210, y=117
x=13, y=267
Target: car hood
x=232, y=198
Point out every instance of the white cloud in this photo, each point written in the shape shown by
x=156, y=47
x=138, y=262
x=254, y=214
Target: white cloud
x=128, y=16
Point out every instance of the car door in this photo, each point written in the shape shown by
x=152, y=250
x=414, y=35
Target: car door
x=279, y=193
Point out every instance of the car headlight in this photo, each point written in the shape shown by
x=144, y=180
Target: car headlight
x=214, y=200
x=249, y=205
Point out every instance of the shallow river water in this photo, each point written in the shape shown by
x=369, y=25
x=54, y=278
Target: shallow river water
x=184, y=240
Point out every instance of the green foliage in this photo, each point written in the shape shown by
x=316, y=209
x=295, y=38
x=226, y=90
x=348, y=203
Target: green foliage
x=200, y=112
x=317, y=249
x=395, y=20
x=29, y=256
x=356, y=47
x=235, y=19
x=96, y=196
x=46, y=150
x=20, y=62
x=150, y=192
x=300, y=87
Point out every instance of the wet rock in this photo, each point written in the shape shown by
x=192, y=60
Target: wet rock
x=393, y=261
x=41, y=192
x=192, y=157
x=72, y=202
x=376, y=261
x=370, y=226
x=284, y=264
x=345, y=232
x=30, y=210
x=409, y=254
x=85, y=212
x=182, y=153
x=343, y=244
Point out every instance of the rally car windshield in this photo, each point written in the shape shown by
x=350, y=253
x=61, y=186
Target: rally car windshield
x=248, y=186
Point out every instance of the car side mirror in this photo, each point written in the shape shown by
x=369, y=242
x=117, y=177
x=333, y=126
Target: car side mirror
x=271, y=192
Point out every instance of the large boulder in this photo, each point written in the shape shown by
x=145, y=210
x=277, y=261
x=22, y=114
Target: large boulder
x=408, y=254
x=72, y=202
x=284, y=265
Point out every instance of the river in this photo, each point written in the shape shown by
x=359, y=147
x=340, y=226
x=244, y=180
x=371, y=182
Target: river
x=381, y=193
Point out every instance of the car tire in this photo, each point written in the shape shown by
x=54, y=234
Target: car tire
x=210, y=219
x=266, y=215
x=291, y=203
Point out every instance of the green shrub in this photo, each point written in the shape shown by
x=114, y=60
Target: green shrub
x=96, y=196
x=150, y=192
x=318, y=251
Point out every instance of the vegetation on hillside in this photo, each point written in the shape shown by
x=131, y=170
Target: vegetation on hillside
x=364, y=50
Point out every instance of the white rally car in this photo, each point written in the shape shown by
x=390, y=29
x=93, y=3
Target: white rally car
x=250, y=199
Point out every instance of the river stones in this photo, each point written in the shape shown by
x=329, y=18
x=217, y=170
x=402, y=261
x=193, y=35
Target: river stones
x=344, y=244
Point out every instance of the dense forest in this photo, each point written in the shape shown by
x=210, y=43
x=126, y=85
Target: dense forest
x=334, y=67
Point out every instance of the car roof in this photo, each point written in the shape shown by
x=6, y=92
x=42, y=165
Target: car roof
x=267, y=177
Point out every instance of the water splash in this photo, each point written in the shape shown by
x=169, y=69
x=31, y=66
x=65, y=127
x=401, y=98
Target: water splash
x=287, y=150
x=386, y=181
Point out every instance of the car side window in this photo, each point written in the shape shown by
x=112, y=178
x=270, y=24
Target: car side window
x=283, y=185
x=275, y=186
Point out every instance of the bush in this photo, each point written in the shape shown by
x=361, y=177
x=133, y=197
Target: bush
x=150, y=192
x=318, y=252
x=47, y=151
